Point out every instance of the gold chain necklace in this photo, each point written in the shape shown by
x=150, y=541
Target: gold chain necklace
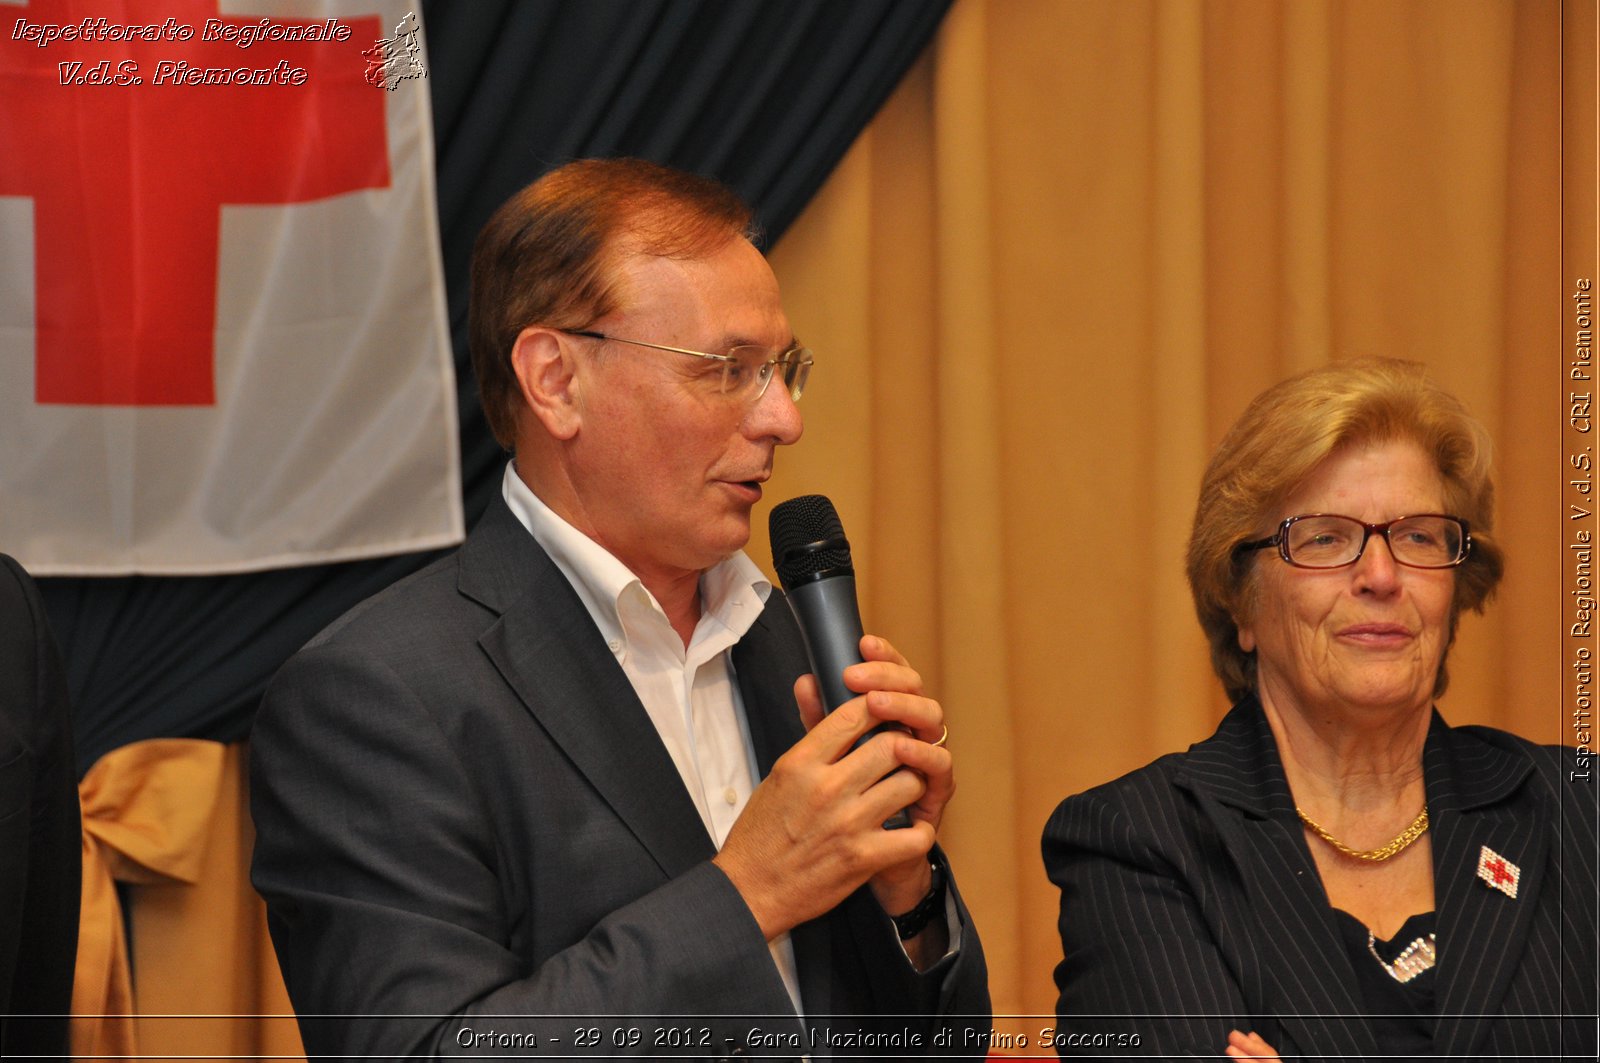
x=1418, y=828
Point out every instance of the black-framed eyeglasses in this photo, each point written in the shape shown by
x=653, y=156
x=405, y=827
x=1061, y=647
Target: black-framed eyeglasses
x=1329, y=540
x=746, y=370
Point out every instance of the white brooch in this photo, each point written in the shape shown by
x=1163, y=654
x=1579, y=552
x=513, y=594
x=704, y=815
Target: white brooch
x=1498, y=872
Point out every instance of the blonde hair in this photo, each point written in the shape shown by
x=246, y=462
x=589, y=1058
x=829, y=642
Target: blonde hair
x=1282, y=436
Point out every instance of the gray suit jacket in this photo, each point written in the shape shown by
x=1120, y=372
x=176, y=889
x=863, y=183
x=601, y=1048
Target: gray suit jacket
x=465, y=816
x=1190, y=904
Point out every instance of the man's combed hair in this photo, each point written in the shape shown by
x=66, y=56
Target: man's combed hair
x=1281, y=438
x=549, y=256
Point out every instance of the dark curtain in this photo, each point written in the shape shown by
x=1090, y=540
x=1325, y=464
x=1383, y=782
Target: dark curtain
x=765, y=96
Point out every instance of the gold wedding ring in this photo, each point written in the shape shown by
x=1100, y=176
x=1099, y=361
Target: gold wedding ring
x=944, y=733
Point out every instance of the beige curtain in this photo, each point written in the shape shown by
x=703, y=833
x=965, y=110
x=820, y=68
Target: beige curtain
x=1079, y=238
x=169, y=819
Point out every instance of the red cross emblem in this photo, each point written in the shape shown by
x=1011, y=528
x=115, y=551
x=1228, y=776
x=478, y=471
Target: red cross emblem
x=128, y=181
x=1498, y=872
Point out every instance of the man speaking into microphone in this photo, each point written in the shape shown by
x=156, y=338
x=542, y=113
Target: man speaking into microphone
x=578, y=768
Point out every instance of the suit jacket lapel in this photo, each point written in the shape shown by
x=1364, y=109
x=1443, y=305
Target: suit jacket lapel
x=1475, y=798
x=766, y=661
x=1286, y=944
x=552, y=656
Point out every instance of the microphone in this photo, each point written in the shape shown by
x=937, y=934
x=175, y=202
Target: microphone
x=812, y=559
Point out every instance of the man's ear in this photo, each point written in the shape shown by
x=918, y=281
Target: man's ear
x=546, y=376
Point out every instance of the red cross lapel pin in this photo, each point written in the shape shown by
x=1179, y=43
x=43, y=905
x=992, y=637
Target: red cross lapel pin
x=1498, y=872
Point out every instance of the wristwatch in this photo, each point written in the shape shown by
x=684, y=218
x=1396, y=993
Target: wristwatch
x=913, y=922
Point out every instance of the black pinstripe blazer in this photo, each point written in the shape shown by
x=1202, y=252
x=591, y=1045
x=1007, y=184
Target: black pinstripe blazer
x=1190, y=904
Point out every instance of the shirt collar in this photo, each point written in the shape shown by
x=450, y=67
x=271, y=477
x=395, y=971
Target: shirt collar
x=732, y=592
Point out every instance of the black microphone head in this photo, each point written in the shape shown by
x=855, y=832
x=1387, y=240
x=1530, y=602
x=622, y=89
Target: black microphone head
x=808, y=541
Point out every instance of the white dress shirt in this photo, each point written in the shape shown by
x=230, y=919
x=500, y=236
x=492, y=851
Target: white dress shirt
x=690, y=693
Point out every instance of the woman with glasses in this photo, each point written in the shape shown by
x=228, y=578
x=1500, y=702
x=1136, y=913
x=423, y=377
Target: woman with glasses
x=1336, y=872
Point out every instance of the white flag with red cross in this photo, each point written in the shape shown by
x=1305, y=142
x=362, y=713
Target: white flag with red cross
x=223, y=336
